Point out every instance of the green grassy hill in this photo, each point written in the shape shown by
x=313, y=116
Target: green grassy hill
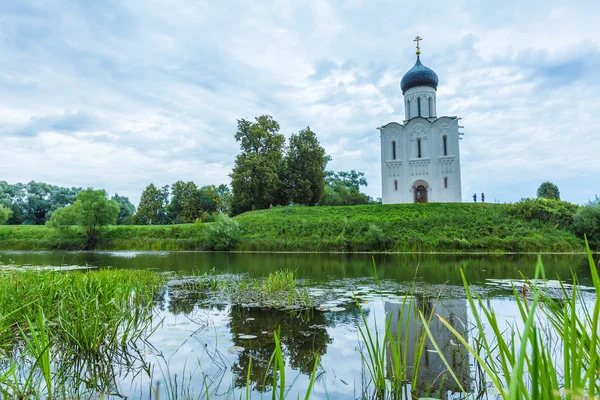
x=400, y=227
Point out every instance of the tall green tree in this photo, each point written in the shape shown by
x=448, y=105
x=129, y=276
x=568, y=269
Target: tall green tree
x=92, y=211
x=548, y=190
x=126, y=209
x=255, y=176
x=185, y=204
x=304, y=173
x=152, y=209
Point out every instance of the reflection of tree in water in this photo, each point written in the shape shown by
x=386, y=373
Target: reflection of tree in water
x=184, y=301
x=301, y=338
x=348, y=317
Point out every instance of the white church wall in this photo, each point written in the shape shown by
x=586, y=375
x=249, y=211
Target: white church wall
x=399, y=175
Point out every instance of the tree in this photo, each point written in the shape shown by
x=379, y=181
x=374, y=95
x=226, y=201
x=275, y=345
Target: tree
x=185, y=203
x=343, y=189
x=12, y=197
x=304, y=174
x=5, y=214
x=63, y=219
x=225, y=197
x=153, y=206
x=255, y=176
x=210, y=200
x=34, y=202
x=92, y=211
x=42, y=199
x=548, y=190
x=126, y=209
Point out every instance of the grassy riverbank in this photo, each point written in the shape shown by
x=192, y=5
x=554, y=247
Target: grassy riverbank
x=401, y=227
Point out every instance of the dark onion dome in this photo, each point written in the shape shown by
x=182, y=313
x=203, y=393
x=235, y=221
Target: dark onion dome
x=419, y=75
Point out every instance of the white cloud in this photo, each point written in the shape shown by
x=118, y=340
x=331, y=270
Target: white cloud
x=120, y=94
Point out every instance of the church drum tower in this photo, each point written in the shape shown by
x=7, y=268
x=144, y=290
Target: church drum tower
x=420, y=159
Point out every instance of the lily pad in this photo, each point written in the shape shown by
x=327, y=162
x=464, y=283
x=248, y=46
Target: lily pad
x=236, y=349
x=247, y=337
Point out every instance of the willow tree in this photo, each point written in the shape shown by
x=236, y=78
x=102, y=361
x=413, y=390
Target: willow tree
x=92, y=211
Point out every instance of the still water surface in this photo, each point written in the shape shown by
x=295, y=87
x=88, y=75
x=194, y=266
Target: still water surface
x=197, y=348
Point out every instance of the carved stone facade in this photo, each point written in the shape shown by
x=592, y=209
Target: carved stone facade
x=420, y=158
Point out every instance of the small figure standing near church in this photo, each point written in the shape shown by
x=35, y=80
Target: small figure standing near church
x=482, y=197
x=475, y=197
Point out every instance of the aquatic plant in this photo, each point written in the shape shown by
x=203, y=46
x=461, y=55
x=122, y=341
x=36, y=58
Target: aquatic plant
x=520, y=364
x=67, y=329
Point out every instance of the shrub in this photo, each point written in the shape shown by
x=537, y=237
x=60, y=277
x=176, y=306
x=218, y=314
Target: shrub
x=223, y=234
x=556, y=212
x=5, y=214
x=587, y=222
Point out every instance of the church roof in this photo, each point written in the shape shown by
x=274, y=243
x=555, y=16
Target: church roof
x=419, y=75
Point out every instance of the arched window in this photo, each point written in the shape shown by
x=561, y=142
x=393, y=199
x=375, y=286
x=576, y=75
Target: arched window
x=445, y=141
x=408, y=109
x=446, y=182
x=396, y=185
x=419, y=106
x=419, y=148
x=393, y=150
x=431, y=107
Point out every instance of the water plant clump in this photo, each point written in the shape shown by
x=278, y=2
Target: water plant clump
x=278, y=290
x=68, y=327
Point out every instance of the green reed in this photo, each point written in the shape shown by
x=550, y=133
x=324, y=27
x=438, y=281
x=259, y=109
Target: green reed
x=65, y=328
x=384, y=353
x=520, y=364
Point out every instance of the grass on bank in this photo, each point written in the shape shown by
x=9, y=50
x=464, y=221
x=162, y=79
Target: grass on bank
x=459, y=227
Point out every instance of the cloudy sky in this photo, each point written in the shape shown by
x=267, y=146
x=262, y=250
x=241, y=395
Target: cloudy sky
x=117, y=94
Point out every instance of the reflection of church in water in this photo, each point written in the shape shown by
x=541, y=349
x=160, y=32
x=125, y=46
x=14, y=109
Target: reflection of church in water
x=420, y=159
x=406, y=326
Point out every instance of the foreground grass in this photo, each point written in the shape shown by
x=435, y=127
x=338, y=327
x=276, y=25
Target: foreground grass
x=50, y=318
x=69, y=328
x=400, y=227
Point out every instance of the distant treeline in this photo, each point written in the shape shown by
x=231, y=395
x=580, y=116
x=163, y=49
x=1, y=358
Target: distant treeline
x=33, y=203
x=267, y=173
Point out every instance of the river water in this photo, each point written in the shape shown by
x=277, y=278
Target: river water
x=199, y=350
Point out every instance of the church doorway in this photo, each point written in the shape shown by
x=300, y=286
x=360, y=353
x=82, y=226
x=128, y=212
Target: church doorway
x=420, y=194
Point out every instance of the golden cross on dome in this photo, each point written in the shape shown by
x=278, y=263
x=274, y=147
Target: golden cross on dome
x=417, y=39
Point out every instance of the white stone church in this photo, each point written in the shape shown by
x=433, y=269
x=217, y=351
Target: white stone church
x=420, y=158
